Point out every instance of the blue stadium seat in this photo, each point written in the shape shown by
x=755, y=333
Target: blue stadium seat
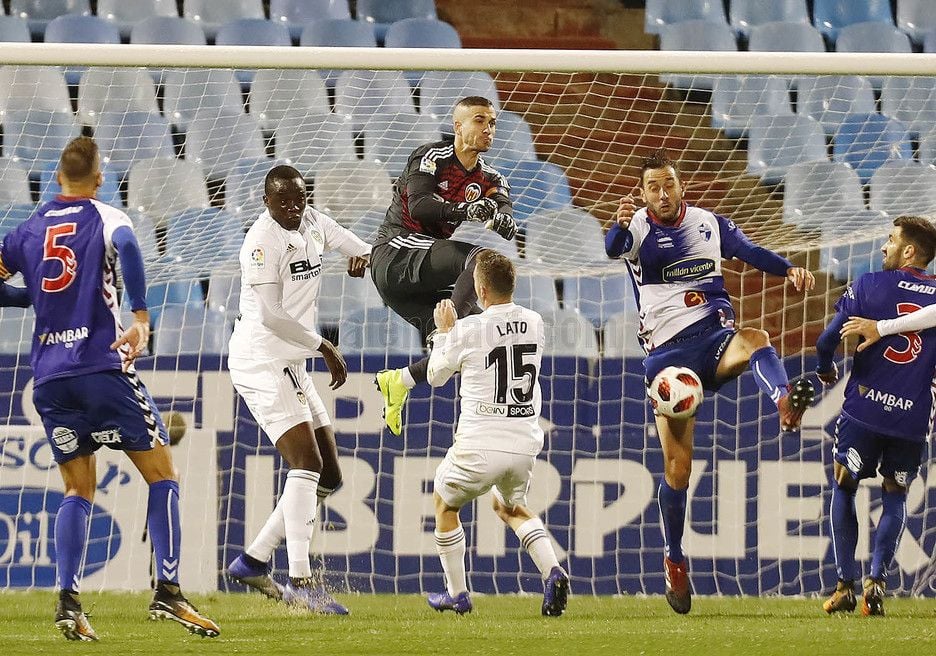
x=216, y=143
x=224, y=293
x=11, y=215
x=146, y=237
x=296, y=14
x=252, y=32
x=340, y=295
x=162, y=186
x=381, y=13
x=168, y=30
x=187, y=292
x=747, y=14
x=916, y=18
x=830, y=98
x=569, y=334
x=362, y=94
x=16, y=330
x=49, y=188
x=278, y=94
x=597, y=298
x=212, y=14
x=38, y=13
x=390, y=139
x=620, y=336
x=929, y=41
x=190, y=329
x=33, y=87
x=535, y=186
x=737, y=99
x=243, y=188
x=513, y=139
x=537, y=292
x=565, y=237
x=440, y=90
x=872, y=37
x=477, y=234
x=902, y=186
x=312, y=142
x=775, y=143
x=814, y=190
x=206, y=92
x=421, y=33
x=928, y=147
x=830, y=16
x=14, y=29
x=785, y=37
x=14, y=183
x=364, y=223
x=660, y=14
x=125, y=14
x=911, y=100
x=205, y=240
x=79, y=29
x=337, y=32
x=348, y=189
x=859, y=254
x=696, y=35
x=104, y=89
x=125, y=138
x=377, y=331
x=37, y=137
x=865, y=141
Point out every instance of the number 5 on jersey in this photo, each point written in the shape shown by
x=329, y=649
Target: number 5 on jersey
x=52, y=250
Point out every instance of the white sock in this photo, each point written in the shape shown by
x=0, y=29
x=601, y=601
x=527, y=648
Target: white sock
x=299, y=504
x=451, y=548
x=407, y=378
x=269, y=537
x=535, y=540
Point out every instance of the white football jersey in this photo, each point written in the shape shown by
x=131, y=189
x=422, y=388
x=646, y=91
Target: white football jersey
x=499, y=353
x=271, y=253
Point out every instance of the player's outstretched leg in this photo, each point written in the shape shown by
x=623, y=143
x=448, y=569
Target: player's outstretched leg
x=255, y=574
x=842, y=599
x=170, y=604
x=872, y=598
x=793, y=404
x=71, y=620
x=394, y=390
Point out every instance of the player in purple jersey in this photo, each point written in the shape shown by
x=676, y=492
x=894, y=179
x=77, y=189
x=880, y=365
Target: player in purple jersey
x=674, y=253
x=85, y=387
x=887, y=414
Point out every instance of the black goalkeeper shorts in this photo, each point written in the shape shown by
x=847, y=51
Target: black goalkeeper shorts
x=412, y=279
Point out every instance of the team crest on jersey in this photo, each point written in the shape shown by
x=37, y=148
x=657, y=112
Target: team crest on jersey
x=705, y=231
x=301, y=397
x=317, y=236
x=257, y=259
x=472, y=192
x=427, y=165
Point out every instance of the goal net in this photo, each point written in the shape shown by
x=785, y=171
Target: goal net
x=810, y=156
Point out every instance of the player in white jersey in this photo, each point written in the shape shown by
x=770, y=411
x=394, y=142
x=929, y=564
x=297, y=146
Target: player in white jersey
x=281, y=264
x=498, y=354
x=674, y=253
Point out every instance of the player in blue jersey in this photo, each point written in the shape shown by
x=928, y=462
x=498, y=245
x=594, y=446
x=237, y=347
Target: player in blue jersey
x=887, y=414
x=85, y=387
x=674, y=252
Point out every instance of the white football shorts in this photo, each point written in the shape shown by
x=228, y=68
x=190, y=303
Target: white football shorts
x=465, y=475
x=279, y=393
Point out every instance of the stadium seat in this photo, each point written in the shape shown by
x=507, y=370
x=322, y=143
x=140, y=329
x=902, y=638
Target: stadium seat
x=207, y=92
x=243, y=188
x=146, y=238
x=212, y=14
x=513, y=140
x=916, y=18
x=79, y=29
x=814, y=190
x=565, y=237
x=14, y=29
x=312, y=142
x=364, y=222
x=252, y=32
x=902, y=186
x=846, y=258
x=660, y=14
x=620, y=336
x=16, y=330
x=162, y=186
x=115, y=90
x=440, y=90
x=911, y=100
x=190, y=329
x=737, y=99
x=390, y=139
x=277, y=94
x=125, y=14
x=830, y=16
x=597, y=298
x=362, y=94
x=340, y=295
x=535, y=187
x=929, y=41
x=696, y=35
x=381, y=13
x=872, y=37
x=296, y=14
x=179, y=292
x=569, y=334
x=785, y=37
x=205, y=240
x=37, y=137
x=109, y=192
x=168, y=30
x=350, y=187
x=421, y=33
x=33, y=87
x=830, y=98
x=777, y=142
x=865, y=141
x=477, y=234
x=11, y=215
x=14, y=183
x=928, y=147
x=38, y=13
x=377, y=331
x=747, y=14
x=337, y=32
x=216, y=143
x=125, y=138
x=537, y=292
x=224, y=293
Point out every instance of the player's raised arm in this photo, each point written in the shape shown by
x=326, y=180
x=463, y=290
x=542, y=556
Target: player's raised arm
x=443, y=363
x=339, y=238
x=737, y=244
x=619, y=239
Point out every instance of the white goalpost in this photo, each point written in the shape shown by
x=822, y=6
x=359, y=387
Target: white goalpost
x=813, y=155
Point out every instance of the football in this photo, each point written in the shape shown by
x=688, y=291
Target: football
x=676, y=392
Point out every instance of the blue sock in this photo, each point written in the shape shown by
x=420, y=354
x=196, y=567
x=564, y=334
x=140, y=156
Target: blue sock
x=844, y=522
x=71, y=535
x=769, y=373
x=889, y=529
x=673, y=517
x=163, y=522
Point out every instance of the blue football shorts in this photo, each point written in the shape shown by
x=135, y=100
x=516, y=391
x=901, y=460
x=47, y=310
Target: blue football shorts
x=860, y=450
x=700, y=352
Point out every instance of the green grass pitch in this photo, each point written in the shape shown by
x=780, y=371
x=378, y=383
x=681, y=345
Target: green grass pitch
x=403, y=624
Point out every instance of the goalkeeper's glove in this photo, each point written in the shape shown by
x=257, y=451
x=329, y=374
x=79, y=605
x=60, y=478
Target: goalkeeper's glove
x=481, y=210
x=504, y=225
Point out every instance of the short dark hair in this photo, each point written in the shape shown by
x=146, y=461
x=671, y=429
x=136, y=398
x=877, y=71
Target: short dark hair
x=658, y=159
x=919, y=231
x=277, y=175
x=496, y=272
x=473, y=101
x=79, y=160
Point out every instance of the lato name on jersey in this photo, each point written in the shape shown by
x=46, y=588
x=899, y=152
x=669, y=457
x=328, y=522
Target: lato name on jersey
x=511, y=328
x=66, y=337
